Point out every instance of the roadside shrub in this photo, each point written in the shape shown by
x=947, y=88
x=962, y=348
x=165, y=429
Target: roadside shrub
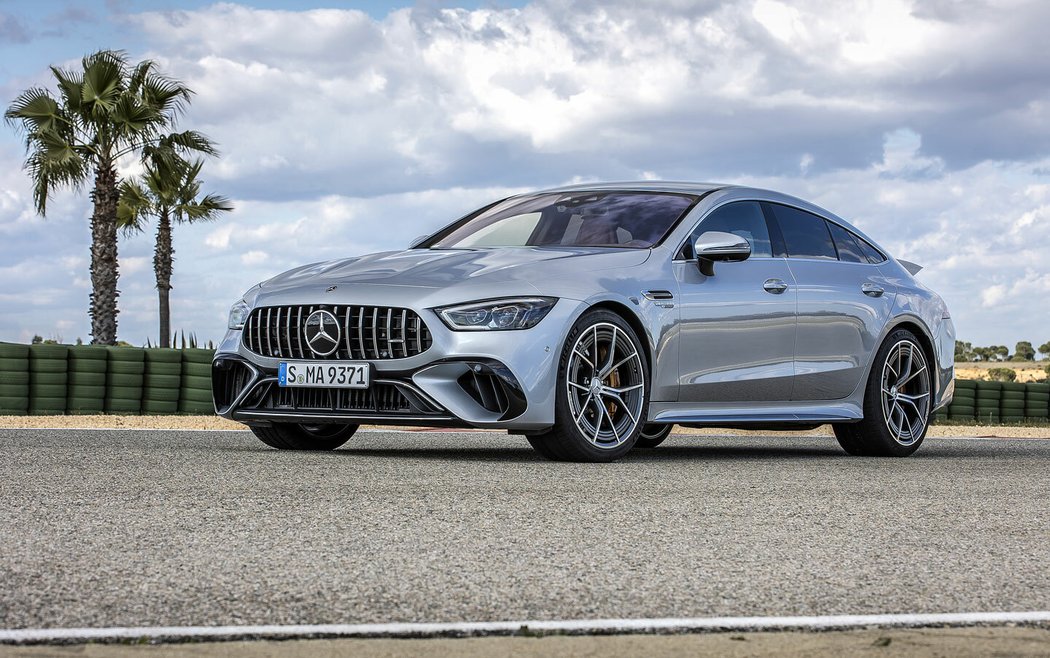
x=1002, y=374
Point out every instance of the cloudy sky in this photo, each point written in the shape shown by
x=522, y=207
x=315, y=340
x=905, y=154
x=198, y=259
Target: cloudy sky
x=350, y=130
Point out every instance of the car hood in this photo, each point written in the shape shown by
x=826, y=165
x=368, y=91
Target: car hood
x=426, y=268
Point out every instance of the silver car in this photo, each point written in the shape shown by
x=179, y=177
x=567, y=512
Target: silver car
x=591, y=319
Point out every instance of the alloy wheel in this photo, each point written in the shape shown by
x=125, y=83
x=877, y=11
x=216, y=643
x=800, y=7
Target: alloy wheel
x=905, y=392
x=606, y=385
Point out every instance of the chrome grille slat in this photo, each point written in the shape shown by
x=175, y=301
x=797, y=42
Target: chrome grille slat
x=388, y=333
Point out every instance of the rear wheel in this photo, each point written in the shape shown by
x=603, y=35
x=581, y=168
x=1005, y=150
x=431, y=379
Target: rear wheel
x=653, y=435
x=602, y=395
x=294, y=436
x=897, y=402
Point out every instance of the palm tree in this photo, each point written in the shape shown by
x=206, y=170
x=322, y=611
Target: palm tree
x=168, y=191
x=102, y=112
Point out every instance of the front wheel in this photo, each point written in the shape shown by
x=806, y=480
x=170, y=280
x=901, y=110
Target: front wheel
x=602, y=395
x=296, y=436
x=897, y=402
x=653, y=435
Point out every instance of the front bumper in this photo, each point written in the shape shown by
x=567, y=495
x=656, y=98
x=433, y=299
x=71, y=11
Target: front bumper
x=491, y=379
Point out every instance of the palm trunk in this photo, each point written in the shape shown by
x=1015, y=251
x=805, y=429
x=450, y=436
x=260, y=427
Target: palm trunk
x=162, y=263
x=104, y=271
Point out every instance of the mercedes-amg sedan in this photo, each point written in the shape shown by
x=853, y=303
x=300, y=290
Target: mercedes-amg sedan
x=591, y=319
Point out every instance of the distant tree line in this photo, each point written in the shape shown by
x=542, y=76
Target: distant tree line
x=1023, y=351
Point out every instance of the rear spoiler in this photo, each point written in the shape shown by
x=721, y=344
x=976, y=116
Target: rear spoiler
x=912, y=268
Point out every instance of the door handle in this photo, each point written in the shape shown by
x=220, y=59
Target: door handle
x=774, y=286
x=872, y=289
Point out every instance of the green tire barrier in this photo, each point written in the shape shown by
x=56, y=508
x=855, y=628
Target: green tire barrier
x=8, y=377
x=48, y=366
x=155, y=355
x=87, y=379
x=164, y=369
x=159, y=408
x=196, y=370
x=86, y=392
x=14, y=351
x=121, y=380
x=124, y=393
x=126, y=368
x=196, y=408
x=196, y=383
x=49, y=378
x=195, y=395
x=160, y=395
x=13, y=364
x=87, y=367
x=198, y=356
x=119, y=406
x=14, y=406
x=47, y=391
x=13, y=390
x=162, y=381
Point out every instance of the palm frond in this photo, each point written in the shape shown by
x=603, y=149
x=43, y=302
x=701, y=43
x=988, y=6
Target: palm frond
x=104, y=77
x=134, y=208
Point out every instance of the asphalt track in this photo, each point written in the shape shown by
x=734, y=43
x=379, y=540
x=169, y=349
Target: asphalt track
x=153, y=528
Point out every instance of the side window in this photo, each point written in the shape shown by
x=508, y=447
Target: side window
x=743, y=218
x=805, y=234
x=849, y=250
x=873, y=255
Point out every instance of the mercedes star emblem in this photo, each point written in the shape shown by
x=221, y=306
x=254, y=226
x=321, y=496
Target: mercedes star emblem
x=322, y=333
x=331, y=288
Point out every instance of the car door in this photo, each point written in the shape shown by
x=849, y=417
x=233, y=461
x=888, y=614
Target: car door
x=843, y=302
x=737, y=328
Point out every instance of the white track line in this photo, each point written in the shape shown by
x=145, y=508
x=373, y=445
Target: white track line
x=462, y=629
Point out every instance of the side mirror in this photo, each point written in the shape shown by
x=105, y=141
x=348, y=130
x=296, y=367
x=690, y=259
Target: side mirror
x=717, y=245
x=417, y=241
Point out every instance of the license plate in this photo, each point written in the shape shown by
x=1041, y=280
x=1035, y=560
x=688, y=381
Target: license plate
x=327, y=374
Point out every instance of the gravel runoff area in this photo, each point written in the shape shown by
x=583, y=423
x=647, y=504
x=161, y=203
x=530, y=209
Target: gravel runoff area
x=217, y=423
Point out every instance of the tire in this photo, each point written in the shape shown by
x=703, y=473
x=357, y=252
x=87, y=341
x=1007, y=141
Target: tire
x=14, y=390
x=195, y=395
x=653, y=435
x=13, y=364
x=87, y=379
x=156, y=355
x=48, y=365
x=16, y=406
x=47, y=391
x=126, y=354
x=88, y=353
x=157, y=408
x=162, y=381
x=85, y=404
x=14, y=351
x=50, y=352
x=197, y=356
x=15, y=377
x=198, y=383
x=126, y=368
x=164, y=369
x=896, y=402
x=124, y=393
x=197, y=370
x=88, y=366
x=117, y=379
x=48, y=379
x=160, y=394
x=290, y=436
x=578, y=433
x=81, y=392
x=191, y=408
x=121, y=406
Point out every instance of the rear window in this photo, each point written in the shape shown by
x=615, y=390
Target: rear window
x=849, y=250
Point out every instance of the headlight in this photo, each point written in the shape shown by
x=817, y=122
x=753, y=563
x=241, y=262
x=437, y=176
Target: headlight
x=497, y=314
x=238, y=314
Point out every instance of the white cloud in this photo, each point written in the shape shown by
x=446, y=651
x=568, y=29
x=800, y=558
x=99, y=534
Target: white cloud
x=343, y=134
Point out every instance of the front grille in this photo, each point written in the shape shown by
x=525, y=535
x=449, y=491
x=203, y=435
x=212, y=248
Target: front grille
x=371, y=333
x=229, y=378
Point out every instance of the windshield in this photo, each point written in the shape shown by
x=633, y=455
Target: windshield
x=576, y=219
